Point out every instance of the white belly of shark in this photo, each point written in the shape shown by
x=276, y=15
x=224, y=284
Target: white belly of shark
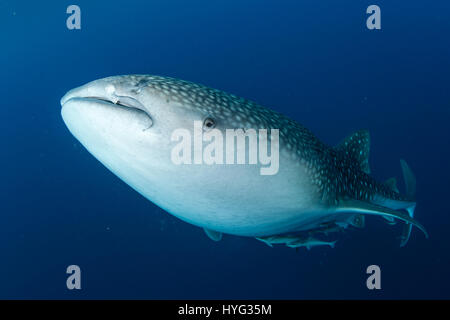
x=128, y=123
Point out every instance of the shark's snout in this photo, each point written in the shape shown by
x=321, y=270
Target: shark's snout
x=112, y=91
x=94, y=89
x=109, y=90
x=105, y=110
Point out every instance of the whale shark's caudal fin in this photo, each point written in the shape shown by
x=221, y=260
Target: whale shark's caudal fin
x=391, y=183
x=357, y=147
x=410, y=179
x=410, y=190
x=361, y=207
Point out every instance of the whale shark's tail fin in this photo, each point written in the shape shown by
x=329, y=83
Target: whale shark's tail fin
x=410, y=179
x=355, y=206
x=410, y=190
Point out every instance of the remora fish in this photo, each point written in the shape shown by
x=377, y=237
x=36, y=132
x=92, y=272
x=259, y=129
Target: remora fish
x=296, y=241
x=279, y=239
x=310, y=242
x=126, y=122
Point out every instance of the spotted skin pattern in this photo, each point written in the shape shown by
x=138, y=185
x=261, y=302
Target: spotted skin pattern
x=337, y=173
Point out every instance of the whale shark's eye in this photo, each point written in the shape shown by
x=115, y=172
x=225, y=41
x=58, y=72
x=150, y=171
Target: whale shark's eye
x=208, y=124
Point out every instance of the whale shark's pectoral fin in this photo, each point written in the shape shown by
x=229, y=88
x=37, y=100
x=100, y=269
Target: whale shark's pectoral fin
x=213, y=235
x=356, y=206
x=265, y=241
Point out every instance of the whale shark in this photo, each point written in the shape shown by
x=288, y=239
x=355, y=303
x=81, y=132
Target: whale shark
x=128, y=122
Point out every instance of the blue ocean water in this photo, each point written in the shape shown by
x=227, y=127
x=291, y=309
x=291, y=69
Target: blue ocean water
x=314, y=61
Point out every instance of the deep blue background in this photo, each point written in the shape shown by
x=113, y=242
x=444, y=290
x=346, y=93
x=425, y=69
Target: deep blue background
x=314, y=61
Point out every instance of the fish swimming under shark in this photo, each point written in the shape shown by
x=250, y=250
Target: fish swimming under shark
x=127, y=123
x=296, y=241
x=308, y=243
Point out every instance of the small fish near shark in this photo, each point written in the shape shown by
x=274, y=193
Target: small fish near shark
x=128, y=123
x=309, y=239
x=296, y=241
x=311, y=242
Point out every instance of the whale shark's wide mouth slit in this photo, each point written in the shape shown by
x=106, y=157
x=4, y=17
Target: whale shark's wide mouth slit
x=123, y=102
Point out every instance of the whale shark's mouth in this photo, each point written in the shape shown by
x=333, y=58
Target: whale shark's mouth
x=128, y=112
x=115, y=102
x=121, y=101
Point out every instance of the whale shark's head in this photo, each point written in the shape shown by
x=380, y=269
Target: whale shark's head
x=128, y=124
x=124, y=113
x=132, y=118
x=127, y=116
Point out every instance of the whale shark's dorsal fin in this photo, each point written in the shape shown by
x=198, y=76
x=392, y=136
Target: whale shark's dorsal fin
x=391, y=183
x=357, y=147
x=213, y=235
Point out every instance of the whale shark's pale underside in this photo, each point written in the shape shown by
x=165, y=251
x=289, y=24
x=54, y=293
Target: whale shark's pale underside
x=126, y=122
